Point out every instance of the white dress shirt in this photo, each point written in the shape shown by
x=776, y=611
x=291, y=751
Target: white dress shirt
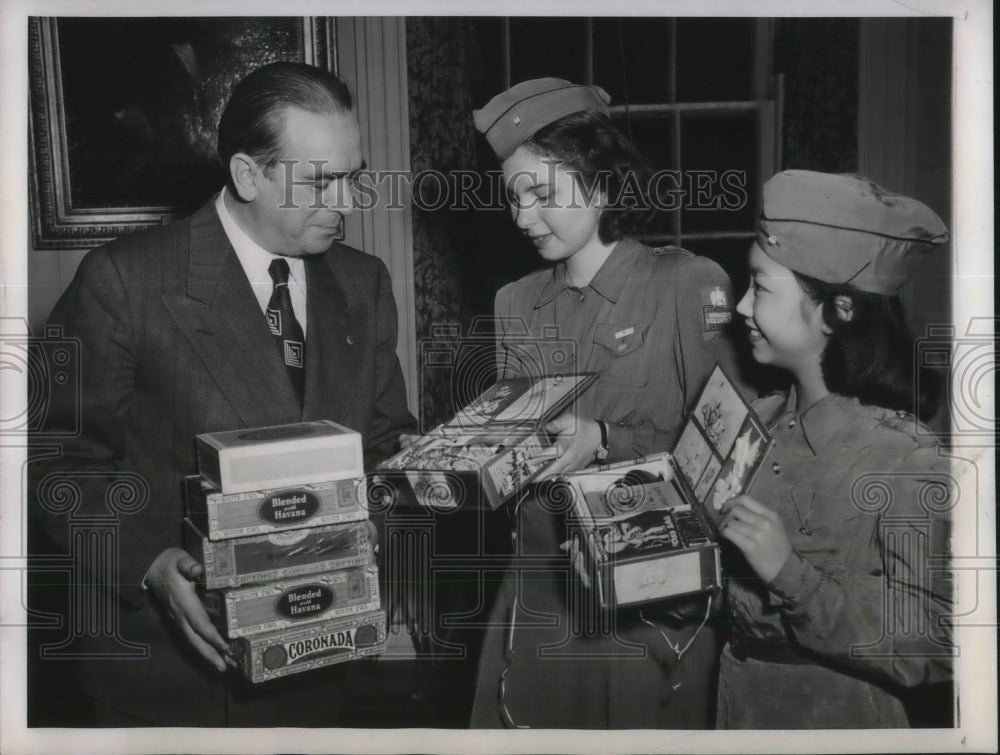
x=256, y=260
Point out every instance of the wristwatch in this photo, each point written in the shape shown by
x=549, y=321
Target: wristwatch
x=602, y=451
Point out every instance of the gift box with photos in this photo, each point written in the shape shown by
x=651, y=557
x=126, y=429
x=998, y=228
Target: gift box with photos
x=650, y=524
x=489, y=451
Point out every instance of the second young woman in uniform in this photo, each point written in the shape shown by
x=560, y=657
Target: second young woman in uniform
x=835, y=583
x=652, y=323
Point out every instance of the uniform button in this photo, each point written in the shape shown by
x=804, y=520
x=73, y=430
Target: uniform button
x=350, y=340
x=776, y=468
x=582, y=297
x=621, y=347
x=901, y=414
x=792, y=423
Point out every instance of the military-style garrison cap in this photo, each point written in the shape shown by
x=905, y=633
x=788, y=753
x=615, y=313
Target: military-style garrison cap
x=845, y=229
x=514, y=116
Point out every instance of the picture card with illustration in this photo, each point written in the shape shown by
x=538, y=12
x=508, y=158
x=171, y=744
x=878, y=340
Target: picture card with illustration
x=522, y=400
x=721, y=446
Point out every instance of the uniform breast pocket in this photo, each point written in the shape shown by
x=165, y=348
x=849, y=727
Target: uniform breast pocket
x=623, y=353
x=830, y=541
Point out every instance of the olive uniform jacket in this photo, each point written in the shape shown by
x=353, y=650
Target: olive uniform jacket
x=861, y=608
x=653, y=324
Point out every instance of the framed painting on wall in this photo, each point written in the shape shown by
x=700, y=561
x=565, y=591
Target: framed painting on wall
x=124, y=112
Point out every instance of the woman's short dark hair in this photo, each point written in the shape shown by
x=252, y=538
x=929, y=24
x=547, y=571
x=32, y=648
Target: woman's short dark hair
x=253, y=119
x=590, y=144
x=871, y=355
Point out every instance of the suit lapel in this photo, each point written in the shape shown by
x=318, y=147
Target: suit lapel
x=224, y=324
x=335, y=331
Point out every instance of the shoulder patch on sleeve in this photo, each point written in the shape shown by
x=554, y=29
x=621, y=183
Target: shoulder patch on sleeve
x=716, y=311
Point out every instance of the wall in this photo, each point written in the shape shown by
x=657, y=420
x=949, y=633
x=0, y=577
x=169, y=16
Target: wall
x=441, y=139
x=818, y=58
x=904, y=143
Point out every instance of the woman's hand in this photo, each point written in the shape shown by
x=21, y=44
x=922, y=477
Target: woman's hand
x=577, y=440
x=406, y=440
x=572, y=546
x=758, y=532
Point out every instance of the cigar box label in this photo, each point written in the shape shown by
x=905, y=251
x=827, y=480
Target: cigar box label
x=263, y=608
x=273, y=654
x=281, y=555
x=656, y=579
x=304, y=602
x=331, y=643
x=223, y=517
x=288, y=506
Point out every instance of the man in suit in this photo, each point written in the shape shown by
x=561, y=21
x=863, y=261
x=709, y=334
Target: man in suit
x=177, y=336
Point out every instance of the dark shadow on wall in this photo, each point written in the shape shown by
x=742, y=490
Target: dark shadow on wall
x=819, y=60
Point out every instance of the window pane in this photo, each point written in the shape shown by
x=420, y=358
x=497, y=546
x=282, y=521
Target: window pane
x=652, y=136
x=720, y=172
x=484, y=59
x=644, y=45
x=714, y=59
x=547, y=47
x=731, y=254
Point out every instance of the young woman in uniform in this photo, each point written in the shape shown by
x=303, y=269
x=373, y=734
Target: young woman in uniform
x=834, y=585
x=652, y=323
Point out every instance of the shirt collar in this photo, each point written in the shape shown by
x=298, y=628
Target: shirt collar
x=608, y=281
x=254, y=258
x=824, y=420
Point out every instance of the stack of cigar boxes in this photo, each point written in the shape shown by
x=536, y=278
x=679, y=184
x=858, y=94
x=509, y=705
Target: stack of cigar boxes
x=278, y=516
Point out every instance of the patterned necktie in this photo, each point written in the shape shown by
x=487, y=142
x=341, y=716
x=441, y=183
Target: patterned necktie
x=285, y=328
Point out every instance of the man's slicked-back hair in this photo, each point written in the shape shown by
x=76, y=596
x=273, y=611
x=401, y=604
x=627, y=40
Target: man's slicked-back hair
x=253, y=119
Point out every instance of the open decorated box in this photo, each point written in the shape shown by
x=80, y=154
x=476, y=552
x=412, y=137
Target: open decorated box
x=649, y=524
x=488, y=452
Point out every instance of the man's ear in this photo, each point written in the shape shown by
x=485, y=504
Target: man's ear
x=245, y=173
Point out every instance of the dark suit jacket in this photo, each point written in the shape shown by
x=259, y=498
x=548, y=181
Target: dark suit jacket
x=172, y=342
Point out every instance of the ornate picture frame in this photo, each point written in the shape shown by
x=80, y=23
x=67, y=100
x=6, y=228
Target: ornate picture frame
x=123, y=114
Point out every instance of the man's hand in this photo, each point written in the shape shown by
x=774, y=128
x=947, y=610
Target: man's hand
x=171, y=577
x=758, y=532
x=577, y=440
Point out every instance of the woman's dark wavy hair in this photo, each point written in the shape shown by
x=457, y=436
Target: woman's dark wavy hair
x=871, y=356
x=590, y=144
